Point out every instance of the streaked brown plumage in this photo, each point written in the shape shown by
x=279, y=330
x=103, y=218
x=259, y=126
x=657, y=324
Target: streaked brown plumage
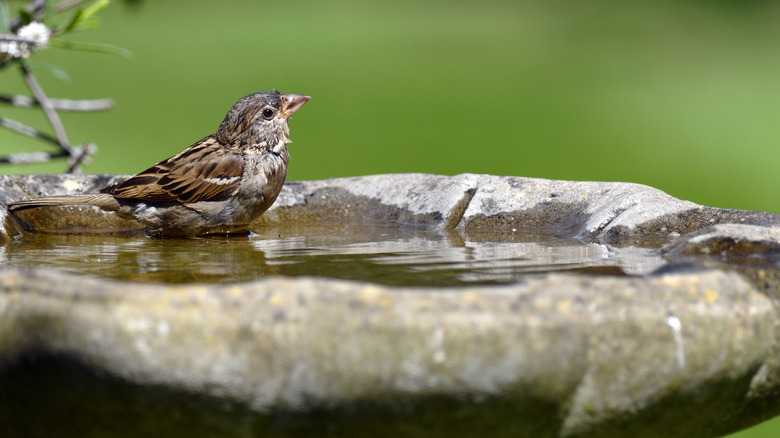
x=219, y=185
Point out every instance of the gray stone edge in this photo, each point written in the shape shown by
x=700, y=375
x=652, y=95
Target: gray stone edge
x=599, y=351
x=701, y=313
x=605, y=212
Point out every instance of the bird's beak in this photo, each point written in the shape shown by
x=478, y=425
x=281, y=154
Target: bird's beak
x=292, y=103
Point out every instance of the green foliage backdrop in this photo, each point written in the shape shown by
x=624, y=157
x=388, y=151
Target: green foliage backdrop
x=680, y=95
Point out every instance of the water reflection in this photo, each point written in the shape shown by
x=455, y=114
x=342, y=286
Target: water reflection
x=376, y=252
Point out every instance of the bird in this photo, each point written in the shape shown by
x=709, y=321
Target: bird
x=219, y=185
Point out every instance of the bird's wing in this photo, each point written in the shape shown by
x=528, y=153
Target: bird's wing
x=199, y=173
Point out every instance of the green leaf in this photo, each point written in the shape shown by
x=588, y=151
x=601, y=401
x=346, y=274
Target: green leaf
x=91, y=47
x=56, y=71
x=5, y=18
x=94, y=8
x=86, y=18
x=25, y=17
x=74, y=20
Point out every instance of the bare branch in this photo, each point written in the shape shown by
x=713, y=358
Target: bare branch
x=51, y=114
x=15, y=126
x=82, y=158
x=33, y=157
x=82, y=105
x=59, y=104
x=79, y=156
x=76, y=155
x=16, y=39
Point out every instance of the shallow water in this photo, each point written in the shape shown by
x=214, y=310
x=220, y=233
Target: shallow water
x=376, y=252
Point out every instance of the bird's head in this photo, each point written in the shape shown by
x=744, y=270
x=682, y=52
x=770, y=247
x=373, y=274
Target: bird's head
x=259, y=121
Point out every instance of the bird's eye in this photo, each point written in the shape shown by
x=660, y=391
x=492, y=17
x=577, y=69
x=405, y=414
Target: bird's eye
x=268, y=114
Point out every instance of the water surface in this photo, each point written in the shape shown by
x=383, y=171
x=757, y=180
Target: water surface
x=383, y=253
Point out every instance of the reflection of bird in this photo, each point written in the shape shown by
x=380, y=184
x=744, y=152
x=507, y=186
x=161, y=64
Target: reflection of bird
x=219, y=185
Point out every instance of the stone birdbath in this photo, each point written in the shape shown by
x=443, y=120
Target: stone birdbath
x=393, y=306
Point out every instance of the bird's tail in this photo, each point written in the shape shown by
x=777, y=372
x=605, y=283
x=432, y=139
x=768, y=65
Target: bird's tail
x=102, y=200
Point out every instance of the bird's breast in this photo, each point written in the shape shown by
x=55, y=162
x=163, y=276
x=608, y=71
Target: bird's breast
x=264, y=176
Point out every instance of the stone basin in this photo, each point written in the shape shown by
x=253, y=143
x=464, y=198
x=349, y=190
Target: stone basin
x=393, y=305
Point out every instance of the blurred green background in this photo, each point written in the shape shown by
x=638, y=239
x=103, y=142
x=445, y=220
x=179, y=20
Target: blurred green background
x=681, y=95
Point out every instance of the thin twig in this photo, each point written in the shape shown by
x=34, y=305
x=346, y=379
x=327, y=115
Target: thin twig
x=39, y=157
x=51, y=114
x=74, y=161
x=59, y=104
x=33, y=157
x=9, y=37
x=82, y=157
x=15, y=126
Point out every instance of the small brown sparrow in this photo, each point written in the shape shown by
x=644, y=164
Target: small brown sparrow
x=219, y=185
